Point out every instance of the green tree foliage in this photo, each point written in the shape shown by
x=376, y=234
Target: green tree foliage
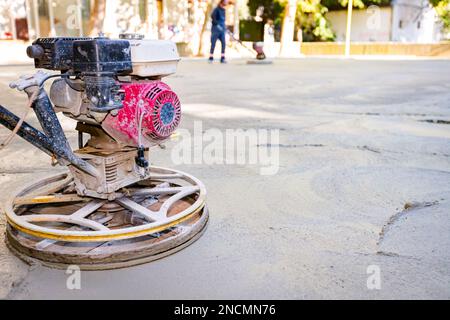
x=272, y=9
x=310, y=17
x=311, y=20
x=340, y=4
x=310, y=14
x=442, y=8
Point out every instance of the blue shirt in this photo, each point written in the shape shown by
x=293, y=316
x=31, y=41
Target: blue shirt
x=218, y=19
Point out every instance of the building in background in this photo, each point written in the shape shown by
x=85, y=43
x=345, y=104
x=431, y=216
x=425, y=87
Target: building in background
x=415, y=21
x=180, y=21
x=13, y=20
x=187, y=23
x=369, y=24
x=401, y=21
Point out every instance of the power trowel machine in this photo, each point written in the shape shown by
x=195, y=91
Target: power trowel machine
x=111, y=208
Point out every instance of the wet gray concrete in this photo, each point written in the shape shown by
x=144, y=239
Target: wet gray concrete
x=359, y=140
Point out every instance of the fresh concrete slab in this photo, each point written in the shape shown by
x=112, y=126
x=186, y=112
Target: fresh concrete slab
x=364, y=180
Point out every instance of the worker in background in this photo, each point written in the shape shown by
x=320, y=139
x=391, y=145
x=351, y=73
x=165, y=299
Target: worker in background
x=218, y=30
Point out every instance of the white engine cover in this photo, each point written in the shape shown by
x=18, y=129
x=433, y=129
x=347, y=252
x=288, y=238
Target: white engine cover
x=152, y=58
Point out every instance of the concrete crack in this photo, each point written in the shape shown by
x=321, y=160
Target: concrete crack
x=408, y=207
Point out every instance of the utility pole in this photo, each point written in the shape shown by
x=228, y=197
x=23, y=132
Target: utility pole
x=80, y=18
x=51, y=18
x=110, y=22
x=12, y=19
x=236, y=19
x=287, y=31
x=349, y=28
x=31, y=30
x=37, y=28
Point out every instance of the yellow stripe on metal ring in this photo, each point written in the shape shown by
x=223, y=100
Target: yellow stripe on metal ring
x=121, y=236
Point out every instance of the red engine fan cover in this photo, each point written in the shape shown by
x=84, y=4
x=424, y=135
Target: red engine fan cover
x=161, y=108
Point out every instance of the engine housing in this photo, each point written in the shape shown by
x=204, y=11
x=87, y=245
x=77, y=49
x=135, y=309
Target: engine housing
x=111, y=83
x=149, y=105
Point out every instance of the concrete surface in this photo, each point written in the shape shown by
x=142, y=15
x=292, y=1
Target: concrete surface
x=364, y=180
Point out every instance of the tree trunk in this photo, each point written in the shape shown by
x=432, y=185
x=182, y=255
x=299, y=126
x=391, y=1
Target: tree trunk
x=205, y=23
x=287, y=31
x=97, y=17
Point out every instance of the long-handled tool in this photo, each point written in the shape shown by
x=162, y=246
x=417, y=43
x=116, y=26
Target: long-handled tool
x=257, y=47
